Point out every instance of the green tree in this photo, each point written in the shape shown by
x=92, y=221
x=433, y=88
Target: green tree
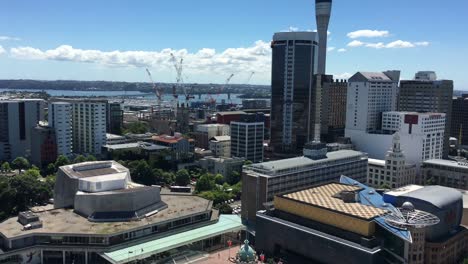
x=248, y=162
x=137, y=128
x=20, y=163
x=219, y=179
x=50, y=169
x=61, y=161
x=205, y=183
x=90, y=158
x=141, y=172
x=6, y=167
x=182, y=178
x=225, y=209
x=33, y=172
x=79, y=159
x=233, y=178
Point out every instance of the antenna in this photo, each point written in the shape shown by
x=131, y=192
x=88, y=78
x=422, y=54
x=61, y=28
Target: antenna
x=407, y=217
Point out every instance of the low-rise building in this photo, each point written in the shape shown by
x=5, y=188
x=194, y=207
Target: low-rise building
x=393, y=171
x=262, y=181
x=112, y=139
x=223, y=166
x=101, y=216
x=182, y=148
x=128, y=151
x=221, y=146
x=203, y=133
x=448, y=173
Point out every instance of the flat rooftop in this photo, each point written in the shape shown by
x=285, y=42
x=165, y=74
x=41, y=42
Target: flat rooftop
x=447, y=163
x=297, y=163
x=376, y=162
x=93, y=169
x=66, y=221
x=323, y=197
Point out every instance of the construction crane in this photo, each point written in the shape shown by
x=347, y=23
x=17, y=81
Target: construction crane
x=250, y=78
x=178, y=66
x=158, y=91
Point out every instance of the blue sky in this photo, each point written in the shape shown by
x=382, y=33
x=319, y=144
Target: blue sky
x=117, y=40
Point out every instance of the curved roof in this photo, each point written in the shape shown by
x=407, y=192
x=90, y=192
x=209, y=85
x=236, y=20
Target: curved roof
x=438, y=196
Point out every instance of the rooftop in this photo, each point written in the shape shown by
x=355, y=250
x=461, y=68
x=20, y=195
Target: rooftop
x=221, y=138
x=438, y=196
x=376, y=76
x=323, y=197
x=376, y=162
x=66, y=221
x=275, y=166
x=231, y=113
x=93, y=169
x=169, y=139
x=447, y=163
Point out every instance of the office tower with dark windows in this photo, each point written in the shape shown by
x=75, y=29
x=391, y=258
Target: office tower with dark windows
x=247, y=138
x=294, y=65
x=17, y=118
x=459, y=128
x=427, y=94
x=114, y=118
x=44, y=146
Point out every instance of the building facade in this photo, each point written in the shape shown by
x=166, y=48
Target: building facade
x=448, y=173
x=60, y=118
x=17, y=119
x=181, y=148
x=89, y=126
x=369, y=95
x=427, y=94
x=205, y=132
x=223, y=166
x=221, y=146
x=44, y=146
x=334, y=110
x=114, y=118
x=293, y=99
x=393, y=172
x=247, y=140
x=459, y=125
x=262, y=181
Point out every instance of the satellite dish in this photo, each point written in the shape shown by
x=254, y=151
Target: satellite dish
x=407, y=217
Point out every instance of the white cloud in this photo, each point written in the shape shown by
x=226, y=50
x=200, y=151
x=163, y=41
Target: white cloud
x=398, y=44
x=2, y=50
x=5, y=38
x=345, y=75
x=355, y=43
x=342, y=50
x=367, y=33
x=329, y=49
x=256, y=58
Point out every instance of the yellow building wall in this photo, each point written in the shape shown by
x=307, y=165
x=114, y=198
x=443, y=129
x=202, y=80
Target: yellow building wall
x=349, y=223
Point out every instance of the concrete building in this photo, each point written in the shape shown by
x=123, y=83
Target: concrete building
x=369, y=95
x=223, y=166
x=89, y=126
x=114, y=220
x=60, y=118
x=334, y=110
x=247, y=140
x=293, y=98
x=115, y=117
x=181, y=148
x=345, y=222
x=17, y=119
x=127, y=151
x=323, y=10
x=262, y=181
x=44, y=146
x=421, y=136
x=427, y=94
x=448, y=173
x=459, y=128
x=203, y=133
x=394, y=171
x=112, y=139
x=228, y=117
x=221, y=146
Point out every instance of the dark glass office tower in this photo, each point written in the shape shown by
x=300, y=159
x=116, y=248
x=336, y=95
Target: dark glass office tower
x=294, y=65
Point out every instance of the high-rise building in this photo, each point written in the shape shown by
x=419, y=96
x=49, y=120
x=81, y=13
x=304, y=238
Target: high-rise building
x=394, y=171
x=262, y=181
x=247, y=139
x=114, y=118
x=322, y=15
x=427, y=94
x=294, y=65
x=60, y=118
x=44, y=146
x=421, y=136
x=369, y=95
x=334, y=110
x=89, y=126
x=459, y=128
x=17, y=118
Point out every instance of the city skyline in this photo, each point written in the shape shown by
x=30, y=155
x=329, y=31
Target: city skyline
x=117, y=42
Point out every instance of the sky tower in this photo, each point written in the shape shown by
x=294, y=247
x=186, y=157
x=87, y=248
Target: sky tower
x=322, y=15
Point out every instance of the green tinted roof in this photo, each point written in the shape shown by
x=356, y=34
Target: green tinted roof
x=225, y=224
